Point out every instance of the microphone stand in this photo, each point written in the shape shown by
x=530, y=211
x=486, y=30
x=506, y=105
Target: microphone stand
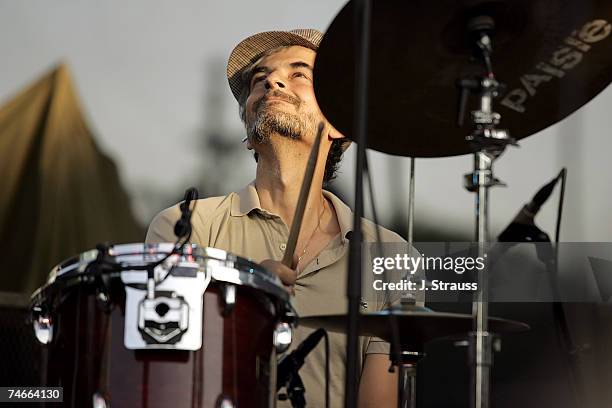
x=572, y=352
x=295, y=391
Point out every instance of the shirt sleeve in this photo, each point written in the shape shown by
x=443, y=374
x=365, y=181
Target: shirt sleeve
x=377, y=345
x=161, y=228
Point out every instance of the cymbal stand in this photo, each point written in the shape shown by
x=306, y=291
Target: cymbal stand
x=407, y=364
x=488, y=143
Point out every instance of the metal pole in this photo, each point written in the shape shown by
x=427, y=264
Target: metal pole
x=488, y=144
x=411, y=204
x=406, y=390
x=480, y=346
x=407, y=386
x=360, y=126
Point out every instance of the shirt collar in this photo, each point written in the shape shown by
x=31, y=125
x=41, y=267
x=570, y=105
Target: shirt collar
x=343, y=213
x=247, y=200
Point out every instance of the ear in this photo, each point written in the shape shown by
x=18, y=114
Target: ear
x=247, y=142
x=333, y=133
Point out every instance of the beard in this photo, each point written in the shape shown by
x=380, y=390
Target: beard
x=269, y=120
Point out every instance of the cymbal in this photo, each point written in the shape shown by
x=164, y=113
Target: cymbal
x=416, y=327
x=553, y=56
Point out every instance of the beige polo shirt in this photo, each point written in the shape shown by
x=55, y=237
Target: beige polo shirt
x=236, y=223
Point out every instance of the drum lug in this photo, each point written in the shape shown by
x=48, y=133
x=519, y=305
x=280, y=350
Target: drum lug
x=104, y=302
x=98, y=401
x=282, y=337
x=43, y=325
x=228, y=297
x=103, y=294
x=224, y=402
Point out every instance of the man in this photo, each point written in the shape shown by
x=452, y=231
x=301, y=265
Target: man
x=270, y=74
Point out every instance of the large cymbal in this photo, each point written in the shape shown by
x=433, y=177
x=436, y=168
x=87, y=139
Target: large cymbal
x=553, y=55
x=416, y=327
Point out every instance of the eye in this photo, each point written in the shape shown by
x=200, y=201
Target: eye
x=256, y=79
x=299, y=74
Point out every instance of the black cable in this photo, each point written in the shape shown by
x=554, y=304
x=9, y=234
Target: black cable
x=176, y=250
x=109, y=267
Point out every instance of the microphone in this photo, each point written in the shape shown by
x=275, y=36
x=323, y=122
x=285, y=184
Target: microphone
x=523, y=228
x=182, y=228
x=291, y=363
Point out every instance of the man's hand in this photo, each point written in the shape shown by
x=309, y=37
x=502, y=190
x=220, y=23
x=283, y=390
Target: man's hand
x=286, y=274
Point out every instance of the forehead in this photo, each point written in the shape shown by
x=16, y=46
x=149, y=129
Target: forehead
x=287, y=56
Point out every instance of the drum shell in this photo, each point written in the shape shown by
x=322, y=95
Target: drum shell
x=20, y=352
x=237, y=361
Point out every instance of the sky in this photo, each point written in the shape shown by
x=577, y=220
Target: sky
x=150, y=75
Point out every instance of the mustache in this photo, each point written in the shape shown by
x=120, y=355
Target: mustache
x=295, y=101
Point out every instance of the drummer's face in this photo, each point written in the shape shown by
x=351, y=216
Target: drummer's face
x=282, y=82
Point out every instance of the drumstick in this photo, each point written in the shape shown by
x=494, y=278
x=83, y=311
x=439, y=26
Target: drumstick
x=302, y=199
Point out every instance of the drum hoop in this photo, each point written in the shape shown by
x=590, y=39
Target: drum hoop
x=245, y=272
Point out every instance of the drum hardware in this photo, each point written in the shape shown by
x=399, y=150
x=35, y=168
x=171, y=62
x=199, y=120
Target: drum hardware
x=411, y=200
x=103, y=290
x=227, y=299
x=167, y=315
x=488, y=143
x=43, y=325
x=153, y=320
x=407, y=363
x=98, y=401
x=496, y=343
x=104, y=300
x=224, y=402
x=163, y=319
x=283, y=335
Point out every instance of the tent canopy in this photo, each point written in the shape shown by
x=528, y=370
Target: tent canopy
x=59, y=194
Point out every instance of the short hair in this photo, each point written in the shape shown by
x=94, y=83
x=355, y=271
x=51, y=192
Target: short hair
x=338, y=145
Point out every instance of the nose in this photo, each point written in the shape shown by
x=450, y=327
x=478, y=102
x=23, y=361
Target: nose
x=274, y=81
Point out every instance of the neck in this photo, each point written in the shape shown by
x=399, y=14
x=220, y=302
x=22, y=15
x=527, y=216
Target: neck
x=280, y=173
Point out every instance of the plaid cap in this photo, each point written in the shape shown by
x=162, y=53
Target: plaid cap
x=251, y=48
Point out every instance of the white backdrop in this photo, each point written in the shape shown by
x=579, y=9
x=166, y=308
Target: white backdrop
x=150, y=76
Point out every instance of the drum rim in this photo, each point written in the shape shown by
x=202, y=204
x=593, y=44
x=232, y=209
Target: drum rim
x=251, y=275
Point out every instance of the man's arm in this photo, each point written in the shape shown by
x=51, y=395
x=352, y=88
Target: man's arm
x=378, y=387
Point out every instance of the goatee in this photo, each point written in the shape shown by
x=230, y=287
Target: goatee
x=269, y=120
